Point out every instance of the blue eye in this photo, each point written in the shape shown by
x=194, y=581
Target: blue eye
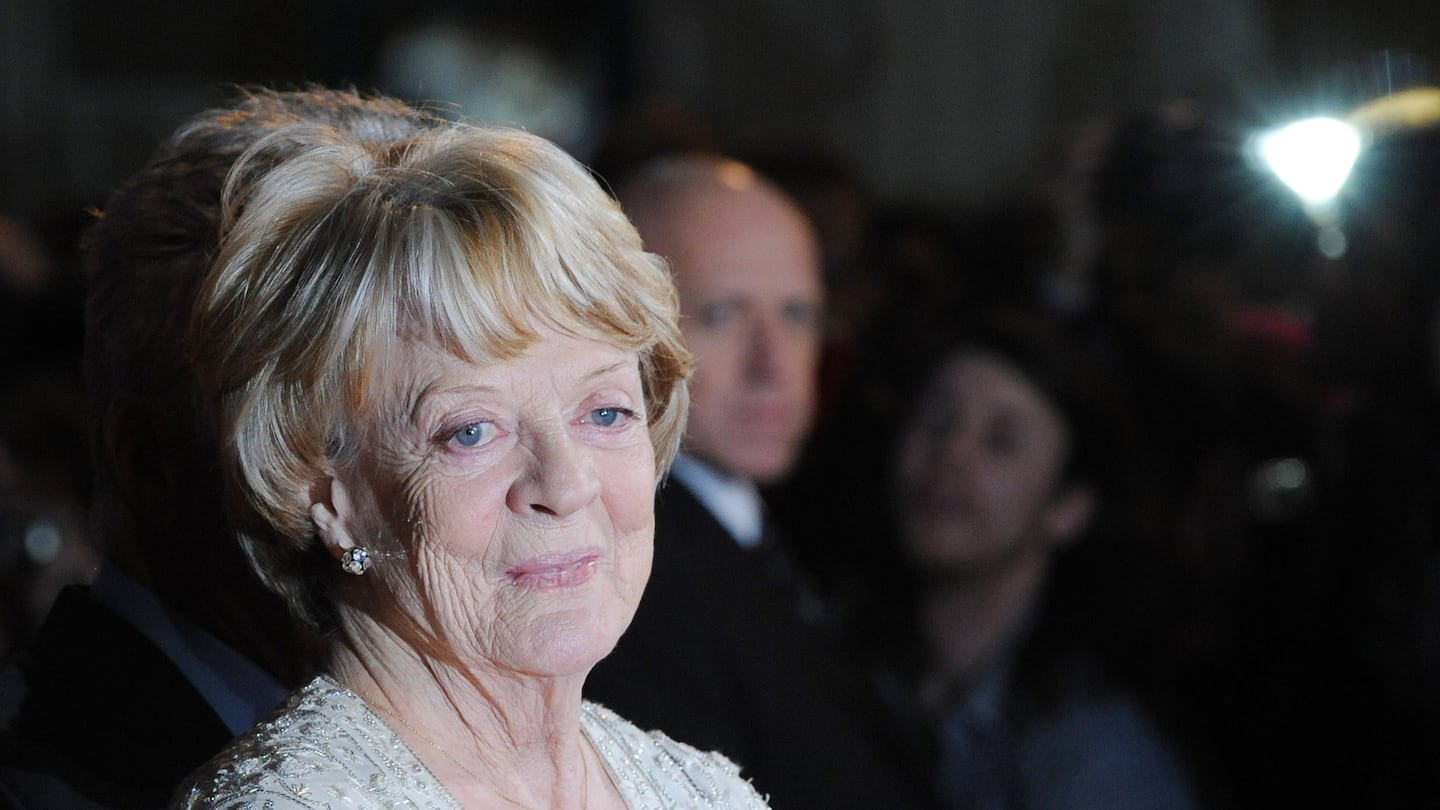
x=608, y=417
x=473, y=434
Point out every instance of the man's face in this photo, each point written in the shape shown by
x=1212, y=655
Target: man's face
x=747, y=268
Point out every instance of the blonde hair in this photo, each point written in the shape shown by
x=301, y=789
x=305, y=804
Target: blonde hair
x=469, y=238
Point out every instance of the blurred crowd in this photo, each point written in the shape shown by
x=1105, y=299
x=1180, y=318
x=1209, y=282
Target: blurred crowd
x=1258, y=427
x=1127, y=442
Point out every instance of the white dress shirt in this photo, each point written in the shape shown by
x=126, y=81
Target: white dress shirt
x=735, y=502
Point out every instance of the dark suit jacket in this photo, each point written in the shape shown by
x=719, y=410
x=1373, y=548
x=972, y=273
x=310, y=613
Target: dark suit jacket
x=717, y=657
x=95, y=715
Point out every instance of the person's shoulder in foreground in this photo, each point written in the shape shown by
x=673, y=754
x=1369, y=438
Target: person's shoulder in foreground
x=93, y=715
x=326, y=748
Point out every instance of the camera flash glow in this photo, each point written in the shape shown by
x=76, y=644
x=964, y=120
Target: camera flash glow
x=1313, y=157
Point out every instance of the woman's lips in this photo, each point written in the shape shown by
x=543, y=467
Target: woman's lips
x=549, y=571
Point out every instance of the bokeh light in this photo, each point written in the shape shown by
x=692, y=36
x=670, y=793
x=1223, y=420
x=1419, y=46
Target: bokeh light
x=1313, y=157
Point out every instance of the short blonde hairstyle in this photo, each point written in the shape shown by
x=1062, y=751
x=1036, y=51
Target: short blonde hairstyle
x=466, y=237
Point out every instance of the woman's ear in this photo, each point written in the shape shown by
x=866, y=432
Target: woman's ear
x=1069, y=514
x=331, y=510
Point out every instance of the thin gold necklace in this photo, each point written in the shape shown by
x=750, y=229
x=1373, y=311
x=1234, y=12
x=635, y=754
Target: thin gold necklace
x=584, y=761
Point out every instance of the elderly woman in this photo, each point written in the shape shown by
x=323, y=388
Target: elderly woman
x=450, y=379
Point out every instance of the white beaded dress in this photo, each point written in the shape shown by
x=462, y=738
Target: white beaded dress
x=326, y=748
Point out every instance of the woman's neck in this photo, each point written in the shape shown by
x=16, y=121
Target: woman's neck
x=969, y=619
x=483, y=734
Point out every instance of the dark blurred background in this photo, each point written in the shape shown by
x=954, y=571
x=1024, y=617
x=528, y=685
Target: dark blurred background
x=931, y=100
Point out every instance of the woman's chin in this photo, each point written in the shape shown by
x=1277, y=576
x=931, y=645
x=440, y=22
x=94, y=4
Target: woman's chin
x=571, y=643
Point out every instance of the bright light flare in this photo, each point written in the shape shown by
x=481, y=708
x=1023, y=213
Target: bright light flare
x=1313, y=157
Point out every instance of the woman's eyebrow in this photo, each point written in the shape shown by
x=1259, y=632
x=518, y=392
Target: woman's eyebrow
x=610, y=368
x=441, y=390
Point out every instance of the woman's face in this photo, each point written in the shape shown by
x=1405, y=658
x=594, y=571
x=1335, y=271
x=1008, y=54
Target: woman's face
x=979, y=468
x=522, y=493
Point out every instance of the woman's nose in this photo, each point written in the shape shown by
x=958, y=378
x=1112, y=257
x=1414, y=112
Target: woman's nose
x=558, y=479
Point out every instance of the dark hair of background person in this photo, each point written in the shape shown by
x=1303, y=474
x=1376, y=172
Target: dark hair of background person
x=158, y=499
